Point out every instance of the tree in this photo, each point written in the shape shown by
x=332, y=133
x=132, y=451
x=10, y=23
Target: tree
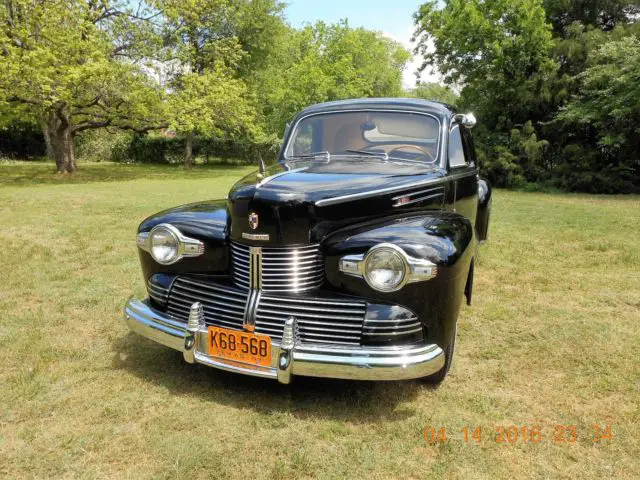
x=211, y=103
x=324, y=62
x=207, y=97
x=497, y=51
x=77, y=65
x=601, y=14
x=435, y=92
x=607, y=106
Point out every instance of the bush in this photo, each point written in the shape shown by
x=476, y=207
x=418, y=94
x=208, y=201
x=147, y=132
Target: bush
x=104, y=146
x=22, y=140
x=155, y=149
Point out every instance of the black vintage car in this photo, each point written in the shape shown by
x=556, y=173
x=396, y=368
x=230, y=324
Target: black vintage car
x=349, y=258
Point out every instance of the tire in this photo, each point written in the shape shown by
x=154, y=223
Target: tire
x=439, y=376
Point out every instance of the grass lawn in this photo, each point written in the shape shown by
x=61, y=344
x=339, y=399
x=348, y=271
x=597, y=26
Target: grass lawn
x=553, y=338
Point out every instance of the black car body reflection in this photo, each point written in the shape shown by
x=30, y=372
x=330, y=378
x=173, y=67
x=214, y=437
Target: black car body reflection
x=290, y=252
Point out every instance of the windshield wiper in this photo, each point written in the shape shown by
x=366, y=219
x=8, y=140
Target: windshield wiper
x=385, y=156
x=382, y=155
x=324, y=155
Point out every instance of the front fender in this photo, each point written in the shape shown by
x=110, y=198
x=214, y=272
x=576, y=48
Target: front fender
x=444, y=238
x=206, y=221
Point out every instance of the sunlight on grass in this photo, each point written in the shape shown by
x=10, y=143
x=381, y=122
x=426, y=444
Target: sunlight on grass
x=552, y=338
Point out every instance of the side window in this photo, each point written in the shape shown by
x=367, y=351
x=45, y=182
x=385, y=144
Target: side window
x=456, y=149
x=304, y=139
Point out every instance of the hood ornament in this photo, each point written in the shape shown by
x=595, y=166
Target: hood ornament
x=253, y=220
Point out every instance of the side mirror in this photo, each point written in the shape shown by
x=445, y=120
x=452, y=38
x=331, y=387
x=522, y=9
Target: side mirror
x=465, y=119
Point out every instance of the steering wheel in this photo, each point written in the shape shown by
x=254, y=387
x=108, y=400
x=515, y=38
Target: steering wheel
x=422, y=150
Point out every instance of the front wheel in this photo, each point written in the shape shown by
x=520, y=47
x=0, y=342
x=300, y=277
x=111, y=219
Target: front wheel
x=440, y=375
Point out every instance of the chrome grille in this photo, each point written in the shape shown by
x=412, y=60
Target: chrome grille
x=223, y=306
x=274, y=269
x=391, y=328
x=417, y=196
x=319, y=320
x=157, y=292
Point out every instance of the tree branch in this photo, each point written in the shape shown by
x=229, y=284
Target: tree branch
x=16, y=99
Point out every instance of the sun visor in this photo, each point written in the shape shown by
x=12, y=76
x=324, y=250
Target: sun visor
x=408, y=125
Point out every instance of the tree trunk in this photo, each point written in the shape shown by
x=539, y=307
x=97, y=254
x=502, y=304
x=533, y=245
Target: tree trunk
x=62, y=141
x=188, y=150
x=47, y=140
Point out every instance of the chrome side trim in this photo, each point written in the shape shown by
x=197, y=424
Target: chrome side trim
x=419, y=199
x=266, y=180
x=325, y=202
x=428, y=190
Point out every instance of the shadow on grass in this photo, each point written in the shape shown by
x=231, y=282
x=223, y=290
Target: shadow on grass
x=43, y=173
x=342, y=400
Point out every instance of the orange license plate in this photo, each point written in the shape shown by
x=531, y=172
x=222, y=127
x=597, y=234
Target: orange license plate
x=253, y=348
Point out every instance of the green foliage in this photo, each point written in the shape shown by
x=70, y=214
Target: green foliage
x=104, y=145
x=21, y=140
x=499, y=50
x=155, y=149
x=607, y=109
x=328, y=62
x=435, y=92
x=62, y=56
x=210, y=103
x=554, y=85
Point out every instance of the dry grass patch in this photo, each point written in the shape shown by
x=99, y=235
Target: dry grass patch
x=552, y=338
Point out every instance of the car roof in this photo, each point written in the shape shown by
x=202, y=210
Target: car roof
x=413, y=104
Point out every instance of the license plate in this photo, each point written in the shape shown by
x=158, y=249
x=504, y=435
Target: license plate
x=253, y=348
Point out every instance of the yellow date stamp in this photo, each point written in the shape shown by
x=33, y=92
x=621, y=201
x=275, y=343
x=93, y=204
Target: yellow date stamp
x=559, y=434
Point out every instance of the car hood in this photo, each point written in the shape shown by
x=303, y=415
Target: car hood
x=299, y=202
x=312, y=181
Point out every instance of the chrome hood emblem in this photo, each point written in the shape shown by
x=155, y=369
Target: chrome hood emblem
x=253, y=220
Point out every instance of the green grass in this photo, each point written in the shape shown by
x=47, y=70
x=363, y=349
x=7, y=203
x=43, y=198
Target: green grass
x=553, y=338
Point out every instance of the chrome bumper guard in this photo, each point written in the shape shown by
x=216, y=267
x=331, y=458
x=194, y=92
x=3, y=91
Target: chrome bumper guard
x=288, y=358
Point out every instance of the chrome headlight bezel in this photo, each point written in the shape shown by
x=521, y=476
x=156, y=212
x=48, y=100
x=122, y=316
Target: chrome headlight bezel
x=397, y=254
x=415, y=269
x=185, y=246
x=171, y=234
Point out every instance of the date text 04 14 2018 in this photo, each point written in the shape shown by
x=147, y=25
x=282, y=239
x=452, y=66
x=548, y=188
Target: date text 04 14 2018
x=520, y=434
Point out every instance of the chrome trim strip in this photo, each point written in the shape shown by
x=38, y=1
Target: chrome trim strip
x=428, y=190
x=394, y=333
x=416, y=200
x=266, y=180
x=325, y=202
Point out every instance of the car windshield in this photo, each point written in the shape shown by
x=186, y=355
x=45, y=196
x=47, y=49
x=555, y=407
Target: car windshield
x=401, y=136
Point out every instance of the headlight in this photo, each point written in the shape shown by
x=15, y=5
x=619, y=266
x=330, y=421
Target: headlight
x=165, y=245
x=385, y=268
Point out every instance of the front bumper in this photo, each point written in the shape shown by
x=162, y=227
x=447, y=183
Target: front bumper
x=354, y=363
